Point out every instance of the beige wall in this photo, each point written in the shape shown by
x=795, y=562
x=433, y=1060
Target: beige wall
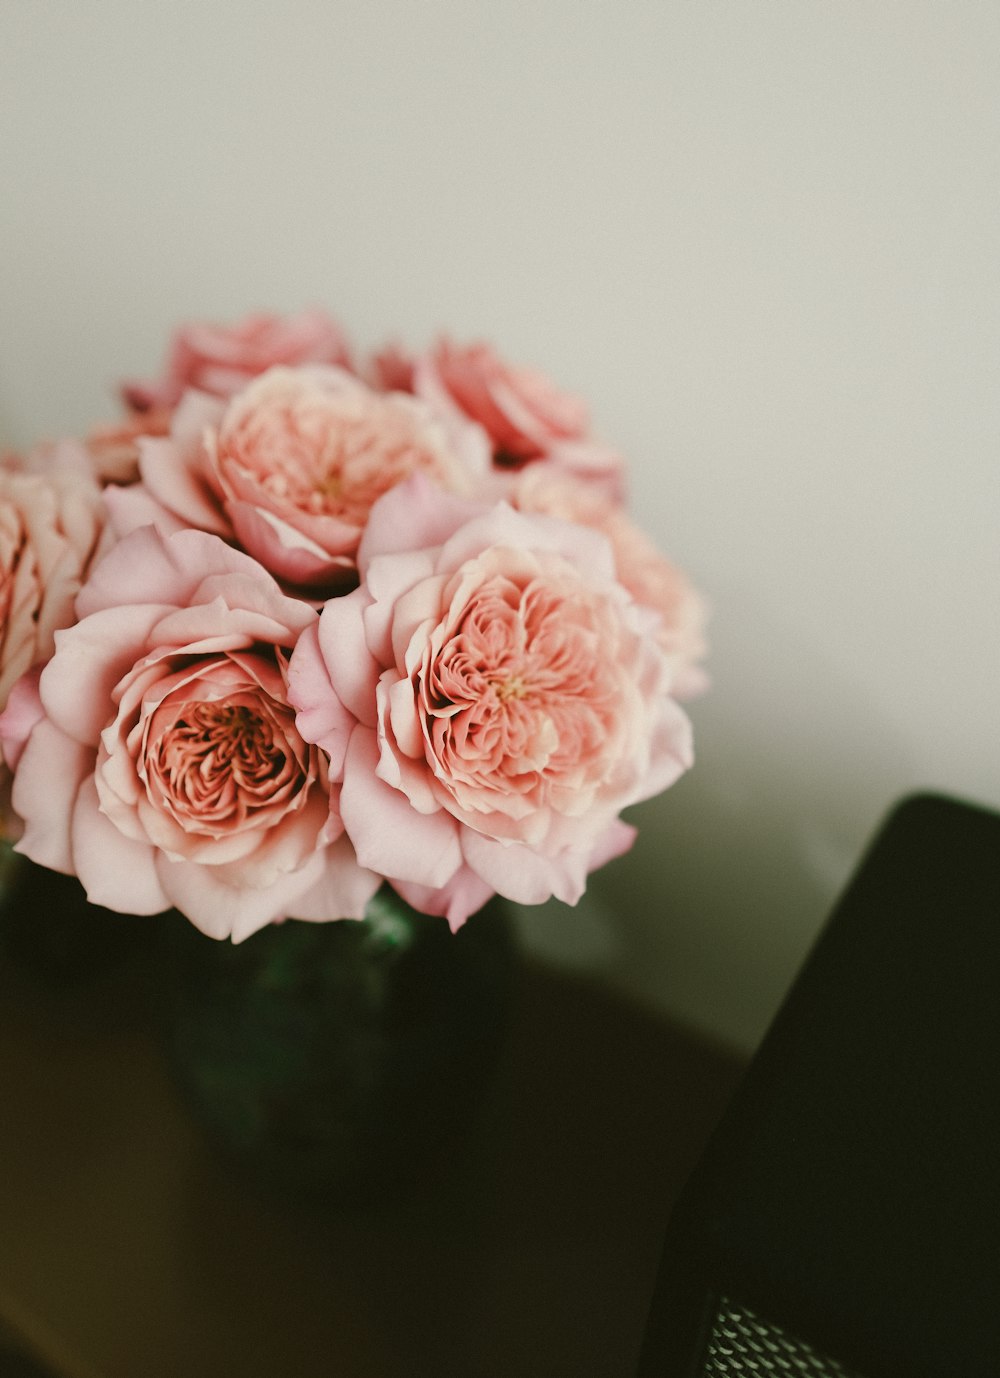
x=760, y=236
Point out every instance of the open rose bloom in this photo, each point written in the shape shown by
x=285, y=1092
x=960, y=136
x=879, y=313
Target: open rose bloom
x=331, y=633
x=157, y=757
x=289, y=469
x=490, y=698
x=222, y=359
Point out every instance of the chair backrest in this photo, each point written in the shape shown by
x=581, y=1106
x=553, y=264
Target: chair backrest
x=845, y=1218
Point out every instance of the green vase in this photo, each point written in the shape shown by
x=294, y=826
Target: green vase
x=330, y=1058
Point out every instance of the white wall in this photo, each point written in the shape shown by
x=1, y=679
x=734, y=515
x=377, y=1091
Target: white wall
x=760, y=236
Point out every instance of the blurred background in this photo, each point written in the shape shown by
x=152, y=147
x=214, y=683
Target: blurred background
x=760, y=237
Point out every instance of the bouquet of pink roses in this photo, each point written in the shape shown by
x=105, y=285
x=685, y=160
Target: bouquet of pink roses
x=299, y=626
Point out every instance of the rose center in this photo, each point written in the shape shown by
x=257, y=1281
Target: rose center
x=519, y=699
x=216, y=756
x=331, y=458
x=512, y=688
x=225, y=733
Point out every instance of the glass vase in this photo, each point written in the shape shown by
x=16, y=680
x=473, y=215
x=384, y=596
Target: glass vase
x=327, y=1059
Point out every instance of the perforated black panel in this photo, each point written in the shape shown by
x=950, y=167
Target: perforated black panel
x=742, y=1345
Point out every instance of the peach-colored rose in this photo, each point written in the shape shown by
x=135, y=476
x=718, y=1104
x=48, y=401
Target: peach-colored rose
x=52, y=524
x=291, y=466
x=490, y=698
x=525, y=416
x=157, y=757
x=650, y=578
x=391, y=369
x=222, y=359
x=114, y=448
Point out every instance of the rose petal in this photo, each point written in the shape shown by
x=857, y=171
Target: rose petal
x=672, y=751
x=78, y=683
x=288, y=553
x=321, y=718
x=23, y=711
x=523, y=875
x=389, y=836
x=222, y=910
x=147, y=567
x=51, y=770
x=172, y=474
x=352, y=670
x=588, y=550
x=342, y=891
x=614, y=842
x=116, y=872
x=413, y=516
x=134, y=506
x=464, y=895
x=390, y=578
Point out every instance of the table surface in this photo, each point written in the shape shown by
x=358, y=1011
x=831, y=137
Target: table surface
x=128, y=1249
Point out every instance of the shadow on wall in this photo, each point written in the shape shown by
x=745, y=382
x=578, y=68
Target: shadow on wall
x=736, y=867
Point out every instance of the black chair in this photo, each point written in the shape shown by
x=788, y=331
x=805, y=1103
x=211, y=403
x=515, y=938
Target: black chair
x=845, y=1218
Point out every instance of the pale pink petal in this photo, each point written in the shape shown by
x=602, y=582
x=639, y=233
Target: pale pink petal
x=517, y=393
x=78, y=683
x=287, y=552
x=464, y=895
x=415, y=515
x=249, y=590
x=390, y=579
x=501, y=526
x=142, y=568
x=352, y=669
x=51, y=770
x=389, y=836
x=523, y=875
x=158, y=830
x=602, y=468
x=173, y=475
x=134, y=506
x=223, y=910
x=321, y=717
x=614, y=842
x=527, y=418
x=672, y=751
x=116, y=872
x=193, y=414
x=343, y=890
x=23, y=711
x=391, y=368
x=215, y=625
x=400, y=709
x=466, y=432
x=147, y=567
x=283, y=848
x=310, y=524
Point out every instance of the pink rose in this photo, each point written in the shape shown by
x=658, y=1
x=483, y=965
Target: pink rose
x=222, y=359
x=52, y=524
x=290, y=468
x=650, y=578
x=490, y=698
x=157, y=757
x=525, y=416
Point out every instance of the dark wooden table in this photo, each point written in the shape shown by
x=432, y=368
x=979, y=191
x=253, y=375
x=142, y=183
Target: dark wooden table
x=128, y=1250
